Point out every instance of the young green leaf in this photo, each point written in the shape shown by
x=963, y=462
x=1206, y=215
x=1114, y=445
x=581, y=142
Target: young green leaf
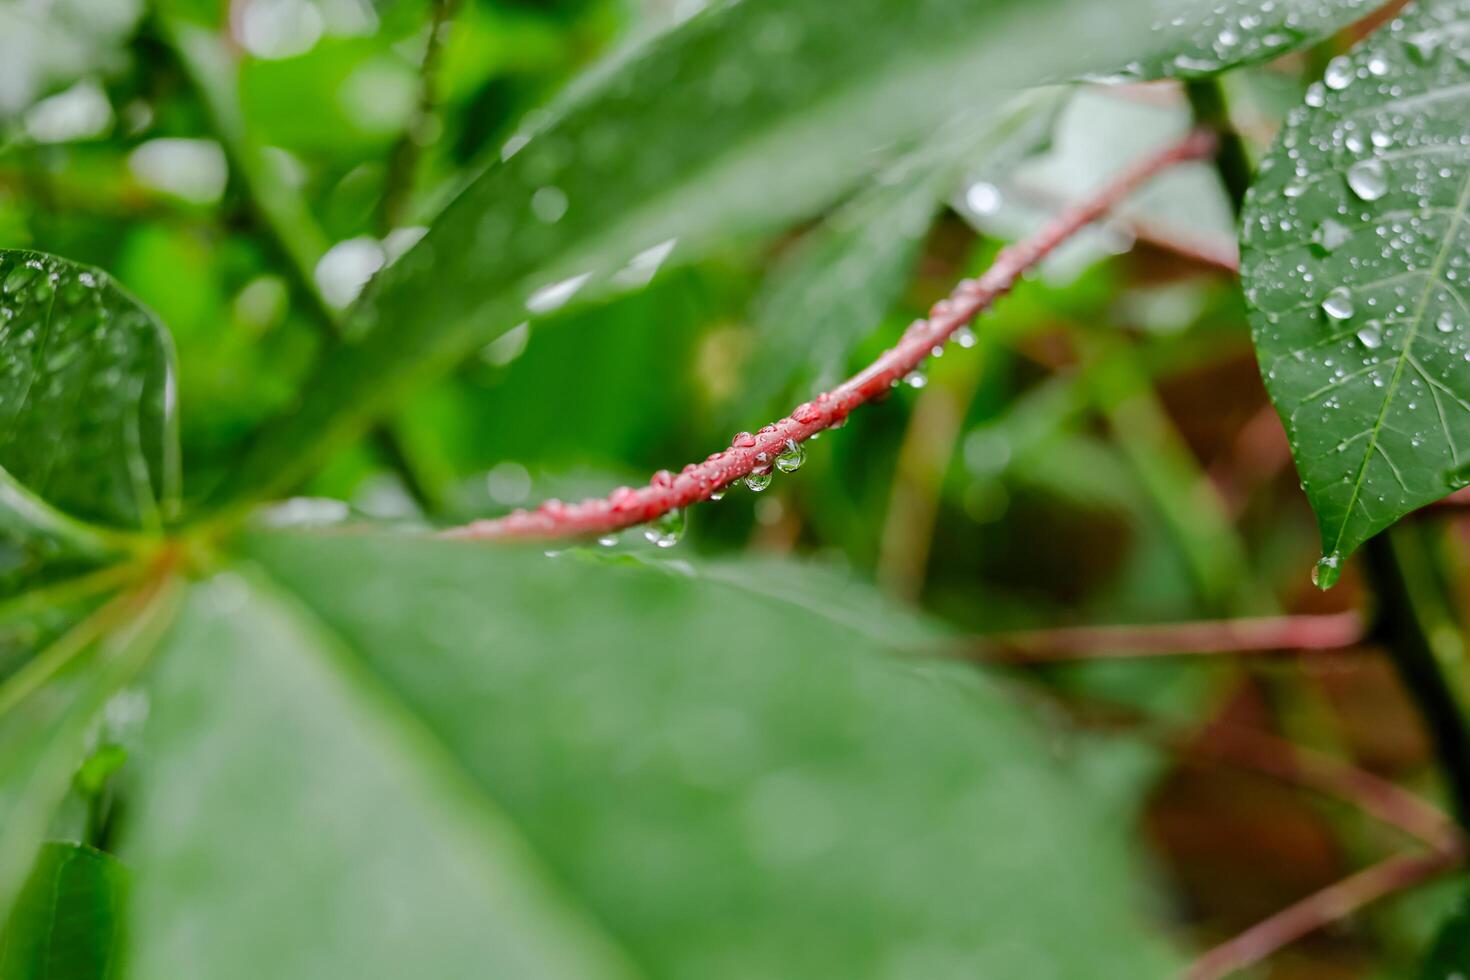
x=728, y=784
x=1355, y=269
x=87, y=428
x=740, y=118
x=67, y=920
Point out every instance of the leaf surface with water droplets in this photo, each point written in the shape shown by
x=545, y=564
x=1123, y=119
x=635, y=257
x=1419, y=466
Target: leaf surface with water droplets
x=1357, y=273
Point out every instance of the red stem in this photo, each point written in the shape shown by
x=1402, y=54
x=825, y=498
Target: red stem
x=1322, y=908
x=1331, y=631
x=757, y=453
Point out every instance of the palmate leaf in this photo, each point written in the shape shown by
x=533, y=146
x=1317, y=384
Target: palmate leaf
x=1355, y=267
x=739, y=119
x=385, y=756
x=67, y=921
x=88, y=443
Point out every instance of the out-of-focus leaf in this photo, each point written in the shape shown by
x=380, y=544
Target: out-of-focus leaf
x=730, y=784
x=740, y=118
x=46, y=710
x=87, y=430
x=67, y=920
x=352, y=845
x=1449, y=957
x=45, y=46
x=1191, y=41
x=1355, y=266
x=839, y=281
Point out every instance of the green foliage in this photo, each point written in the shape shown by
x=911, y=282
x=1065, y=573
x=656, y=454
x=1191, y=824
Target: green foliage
x=67, y=922
x=1354, y=266
x=710, y=801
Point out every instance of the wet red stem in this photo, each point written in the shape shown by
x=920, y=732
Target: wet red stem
x=756, y=453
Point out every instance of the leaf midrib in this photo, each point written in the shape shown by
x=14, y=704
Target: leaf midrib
x=1431, y=280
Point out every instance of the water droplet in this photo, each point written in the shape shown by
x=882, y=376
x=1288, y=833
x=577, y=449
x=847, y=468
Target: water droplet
x=1339, y=73
x=915, y=379
x=1445, y=323
x=717, y=494
x=742, y=440
x=1367, y=179
x=1378, y=66
x=19, y=277
x=1423, y=47
x=608, y=540
x=965, y=337
x=666, y=529
x=1371, y=336
x=983, y=198
x=1338, y=304
x=1331, y=234
x=758, y=480
x=1327, y=571
x=790, y=460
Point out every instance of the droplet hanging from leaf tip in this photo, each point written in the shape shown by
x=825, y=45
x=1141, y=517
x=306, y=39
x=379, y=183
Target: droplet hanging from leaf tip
x=1327, y=571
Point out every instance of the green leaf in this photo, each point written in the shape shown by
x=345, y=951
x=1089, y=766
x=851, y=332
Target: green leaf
x=728, y=784
x=1449, y=957
x=87, y=428
x=1354, y=268
x=737, y=120
x=46, y=711
x=67, y=921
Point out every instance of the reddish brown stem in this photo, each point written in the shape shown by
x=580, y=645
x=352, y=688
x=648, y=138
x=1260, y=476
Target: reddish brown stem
x=1325, y=632
x=1324, y=907
x=757, y=453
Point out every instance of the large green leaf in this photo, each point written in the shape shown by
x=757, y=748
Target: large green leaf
x=67, y=921
x=87, y=428
x=742, y=117
x=1354, y=250
x=422, y=734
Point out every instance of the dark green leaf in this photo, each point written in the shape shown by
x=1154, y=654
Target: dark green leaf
x=740, y=118
x=729, y=783
x=1355, y=269
x=67, y=920
x=87, y=429
x=1449, y=957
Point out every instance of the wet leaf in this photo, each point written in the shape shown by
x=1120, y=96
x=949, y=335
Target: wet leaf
x=1355, y=268
x=729, y=784
x=737, y=120
x=88, y=442
x=67, y=921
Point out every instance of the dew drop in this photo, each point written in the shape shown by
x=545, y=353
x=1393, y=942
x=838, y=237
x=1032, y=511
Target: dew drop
x=965, y=337
x=666, y=529
x=608, y=540
x=1339, y=73
x=1330, y=235
x=1338, y=304
x=743, y=440
x=1423, y=47
x=1367, y=180
x=1371, y=336
x=790, y=460
x=915, y=379
x=758, y=480
x=1327, y=571
x=19, y=278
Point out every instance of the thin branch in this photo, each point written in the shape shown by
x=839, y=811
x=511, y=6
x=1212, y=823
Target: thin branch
x=403, y=162
x=1332, y=631
x=1322, y=908
x=757, y=453
x=1330, y=777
